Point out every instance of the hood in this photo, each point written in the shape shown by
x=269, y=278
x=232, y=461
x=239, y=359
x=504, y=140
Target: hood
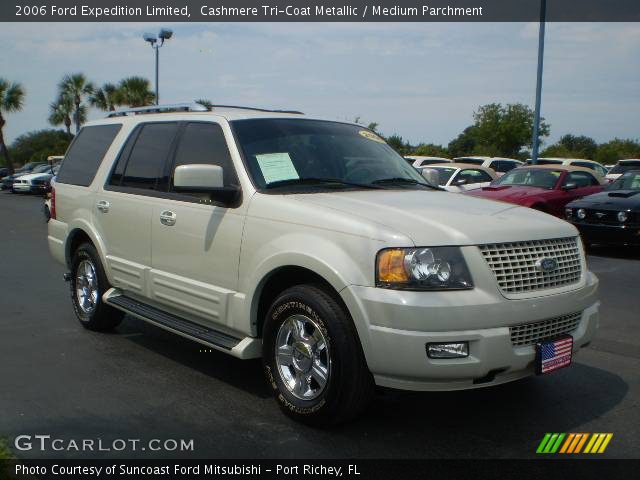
x=610, y=200
x=437, y=217
x=510, y=193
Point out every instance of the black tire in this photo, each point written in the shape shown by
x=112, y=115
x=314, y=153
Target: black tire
x=100, y=317
x=349, y=385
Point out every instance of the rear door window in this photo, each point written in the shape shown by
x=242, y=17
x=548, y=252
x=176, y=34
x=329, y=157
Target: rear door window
x=144, y=167
x=86, y=153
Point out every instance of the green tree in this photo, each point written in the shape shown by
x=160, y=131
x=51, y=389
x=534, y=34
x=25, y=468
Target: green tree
x=11, y=100
x=135, y=92
x=463, y=144
x=105, y=98
x=36, y=146
x=505, y=130
x=205, y=103
x=617, y=149
x=77, y=89
x=60, y=113
x=396, y=142
x=572, y=146
x=430, y=150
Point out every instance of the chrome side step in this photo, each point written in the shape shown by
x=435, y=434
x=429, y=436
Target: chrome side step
x=247, y=347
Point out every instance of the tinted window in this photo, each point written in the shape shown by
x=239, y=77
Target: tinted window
x=470, y=161
x=147, y=159
x=542, y=161
x=204, y=143
x=473, y=176
x=503, y=166
x=85, y=154
x=622, y=167
x=581, y=179
x=585, y=165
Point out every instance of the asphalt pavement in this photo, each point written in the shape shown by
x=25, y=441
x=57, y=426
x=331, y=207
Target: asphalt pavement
x=140, y=382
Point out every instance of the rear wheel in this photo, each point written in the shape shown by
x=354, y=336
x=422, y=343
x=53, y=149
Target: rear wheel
x=313, y=359
x=88, y=284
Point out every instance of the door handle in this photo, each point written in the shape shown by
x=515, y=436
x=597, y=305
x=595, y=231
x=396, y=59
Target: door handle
x=103, y=206
x=168, y=218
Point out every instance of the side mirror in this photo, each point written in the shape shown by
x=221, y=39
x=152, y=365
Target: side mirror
x=430, y=175
x=570, y=186
x=459, y=182
x=199, y=178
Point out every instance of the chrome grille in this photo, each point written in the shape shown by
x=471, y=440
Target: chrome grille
x=532, y=333
x=514, y=264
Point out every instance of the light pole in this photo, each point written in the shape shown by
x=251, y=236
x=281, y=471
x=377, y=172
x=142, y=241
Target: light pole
x=536, y=120
x=156, y=43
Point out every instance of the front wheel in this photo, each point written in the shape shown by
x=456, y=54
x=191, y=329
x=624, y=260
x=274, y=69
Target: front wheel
x=313, y=359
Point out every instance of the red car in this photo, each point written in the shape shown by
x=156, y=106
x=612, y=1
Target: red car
x=547, y=188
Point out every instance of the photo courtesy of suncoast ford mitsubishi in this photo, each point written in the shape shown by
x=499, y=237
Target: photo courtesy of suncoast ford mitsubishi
x=313, y=245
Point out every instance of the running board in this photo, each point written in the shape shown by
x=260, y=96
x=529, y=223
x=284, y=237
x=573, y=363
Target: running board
x=245, y=348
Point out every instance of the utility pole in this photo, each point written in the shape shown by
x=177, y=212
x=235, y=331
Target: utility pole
x=536, y=121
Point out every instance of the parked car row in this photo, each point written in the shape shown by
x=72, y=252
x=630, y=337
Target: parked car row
x=33, y=177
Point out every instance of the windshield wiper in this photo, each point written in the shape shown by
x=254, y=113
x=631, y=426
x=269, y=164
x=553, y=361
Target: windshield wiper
x=318, y=180
x=404, y=180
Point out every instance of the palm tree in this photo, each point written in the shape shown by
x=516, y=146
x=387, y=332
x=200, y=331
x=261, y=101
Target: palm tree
x=135, y=92
x=11, y=100
x=105, y=98
x=205, y=103
x=60, y=113
x=76, y=87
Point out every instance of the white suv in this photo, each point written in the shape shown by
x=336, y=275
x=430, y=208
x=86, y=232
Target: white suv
x=315, y=246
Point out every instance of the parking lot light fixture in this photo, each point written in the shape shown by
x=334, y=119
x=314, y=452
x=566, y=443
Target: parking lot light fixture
x=156, y=43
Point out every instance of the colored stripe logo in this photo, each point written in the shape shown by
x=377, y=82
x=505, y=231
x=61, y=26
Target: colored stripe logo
x=573, y=443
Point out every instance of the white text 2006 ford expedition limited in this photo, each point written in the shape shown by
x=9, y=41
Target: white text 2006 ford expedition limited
x=313, y=245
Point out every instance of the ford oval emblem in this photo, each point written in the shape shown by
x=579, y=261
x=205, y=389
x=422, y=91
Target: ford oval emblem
x=547, y=265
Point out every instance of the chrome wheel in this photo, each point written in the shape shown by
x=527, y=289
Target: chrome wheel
x=86, y=286
x=302, y=357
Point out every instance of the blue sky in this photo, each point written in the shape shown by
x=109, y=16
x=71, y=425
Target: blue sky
x=421, y=80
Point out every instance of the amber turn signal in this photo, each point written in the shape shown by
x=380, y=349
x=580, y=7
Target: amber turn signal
x=391, y=266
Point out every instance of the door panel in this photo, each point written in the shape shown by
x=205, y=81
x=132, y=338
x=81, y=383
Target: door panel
x=125, y=227
x=195, y=260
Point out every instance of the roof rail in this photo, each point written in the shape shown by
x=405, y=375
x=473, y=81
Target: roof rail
x=256, y=109
x=174, y=107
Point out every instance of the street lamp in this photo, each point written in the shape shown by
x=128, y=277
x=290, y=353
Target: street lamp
x=536, y=120
x=156, y=43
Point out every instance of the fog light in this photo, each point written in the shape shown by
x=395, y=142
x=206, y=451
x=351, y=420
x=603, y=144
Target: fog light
x=448, y=350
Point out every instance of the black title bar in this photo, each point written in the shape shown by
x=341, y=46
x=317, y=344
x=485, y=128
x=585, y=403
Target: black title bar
x=317, y=10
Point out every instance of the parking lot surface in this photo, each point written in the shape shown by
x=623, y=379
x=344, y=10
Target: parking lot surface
x=140, y=382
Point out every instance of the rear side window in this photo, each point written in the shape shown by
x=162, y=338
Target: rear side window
x=144, y=166
x=503, y=166
x=581, y=179
x=204, y=143
x=86, y=153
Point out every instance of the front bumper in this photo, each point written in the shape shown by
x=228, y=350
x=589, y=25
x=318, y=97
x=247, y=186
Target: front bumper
x=21, y=187
x=395, y=326
x=609, y=234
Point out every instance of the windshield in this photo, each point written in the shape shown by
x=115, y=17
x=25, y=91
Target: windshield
x=300, y=153
x=444, y=174
x=470, y=161
x=628, y=181
x=530, y=177
x=42, y=169
x=626, y=166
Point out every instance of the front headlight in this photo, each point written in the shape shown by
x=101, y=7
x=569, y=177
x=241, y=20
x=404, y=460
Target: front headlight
x=423, y=268
x=622, y=217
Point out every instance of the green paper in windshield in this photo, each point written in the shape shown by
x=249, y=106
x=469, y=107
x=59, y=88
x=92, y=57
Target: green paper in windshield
x=276, y=167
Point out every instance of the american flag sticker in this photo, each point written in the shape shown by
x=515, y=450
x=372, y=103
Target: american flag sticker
x=554, y=354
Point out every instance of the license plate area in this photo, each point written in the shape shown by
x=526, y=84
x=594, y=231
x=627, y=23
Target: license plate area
x=554, y=354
